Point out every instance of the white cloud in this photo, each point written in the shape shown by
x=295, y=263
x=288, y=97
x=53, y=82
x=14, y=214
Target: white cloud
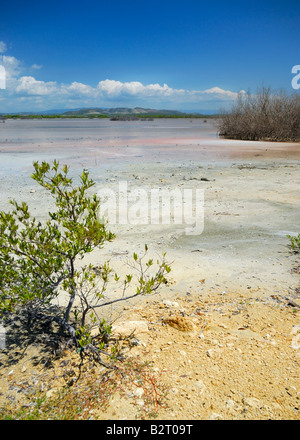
x=30, y=86
x=13, y=66
x=80, y=89
x=23, y=87
x=111, y=92
x=133, y=88
x=3, y=47
x=36, y=66
x=216, y=91
x=112, y=88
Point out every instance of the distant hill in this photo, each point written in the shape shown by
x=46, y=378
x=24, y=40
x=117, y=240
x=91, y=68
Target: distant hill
x=122, y=111
x=117, y=113
x=84, y=112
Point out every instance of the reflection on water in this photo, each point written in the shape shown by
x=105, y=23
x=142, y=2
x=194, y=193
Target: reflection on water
x=61, y=130
x=93, y=143
x=103, y=143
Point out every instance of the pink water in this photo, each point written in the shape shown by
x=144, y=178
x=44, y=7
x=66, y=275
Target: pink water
x=94, y=143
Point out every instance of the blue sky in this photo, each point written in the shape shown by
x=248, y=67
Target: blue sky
x=186, y=55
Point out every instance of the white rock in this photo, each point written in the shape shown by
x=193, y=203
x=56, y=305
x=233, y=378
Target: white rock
x=201, y=335
x=210, y=352
x=230, y=404
x=169, y=303
x=252, y=401
x=201, y=387
x=128, y=327
x=295, y=329
x=215, y=416
x=50, y=393
x=139, y=392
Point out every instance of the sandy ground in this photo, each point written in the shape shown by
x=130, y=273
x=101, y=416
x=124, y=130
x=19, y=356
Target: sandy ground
x=233, y=281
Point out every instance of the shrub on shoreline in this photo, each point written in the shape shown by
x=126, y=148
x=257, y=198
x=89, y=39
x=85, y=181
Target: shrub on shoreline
x=40, y=260
x=263, y=116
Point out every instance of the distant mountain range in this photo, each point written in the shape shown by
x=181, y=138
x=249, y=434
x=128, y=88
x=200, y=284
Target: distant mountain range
x=118, y=112
x=121, y=111
x=136, y=111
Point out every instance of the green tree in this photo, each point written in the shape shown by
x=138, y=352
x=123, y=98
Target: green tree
x=38, y=259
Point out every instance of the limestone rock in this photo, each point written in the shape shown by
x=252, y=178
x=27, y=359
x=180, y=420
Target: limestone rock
x=252, y=402
x=200, y=386
x=169, y=303
x=126, y=328
x=215, y=416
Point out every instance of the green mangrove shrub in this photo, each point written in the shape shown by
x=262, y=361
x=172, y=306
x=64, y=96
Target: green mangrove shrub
x=38, y=260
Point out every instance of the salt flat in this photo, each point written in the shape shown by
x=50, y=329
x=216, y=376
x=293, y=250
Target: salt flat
x=251, y=194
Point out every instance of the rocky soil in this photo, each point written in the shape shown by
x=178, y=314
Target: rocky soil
x=231, y=356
